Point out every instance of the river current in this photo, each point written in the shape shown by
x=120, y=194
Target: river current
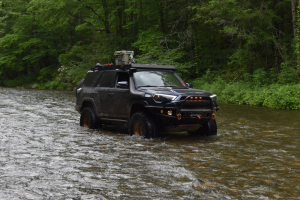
x=45, y=154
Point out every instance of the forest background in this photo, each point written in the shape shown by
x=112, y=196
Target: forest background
x=245, y=51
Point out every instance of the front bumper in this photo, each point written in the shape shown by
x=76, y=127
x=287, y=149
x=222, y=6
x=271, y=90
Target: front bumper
x=181, y=116
x=186, y=110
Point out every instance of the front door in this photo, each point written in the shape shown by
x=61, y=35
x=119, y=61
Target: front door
x=120, y=97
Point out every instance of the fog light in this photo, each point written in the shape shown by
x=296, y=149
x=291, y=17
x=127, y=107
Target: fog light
x=170, y=112
x=213, y=116
x=161, y=111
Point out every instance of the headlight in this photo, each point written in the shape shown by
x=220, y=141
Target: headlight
x=163, y=97
x=214, y=98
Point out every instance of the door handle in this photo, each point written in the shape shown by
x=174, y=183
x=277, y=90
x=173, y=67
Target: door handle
x=94, y=93
x=110, y=94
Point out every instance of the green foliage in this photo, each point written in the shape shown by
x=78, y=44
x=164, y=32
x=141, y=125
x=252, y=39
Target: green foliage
x=242, y=50
x=276, y=95
x=286, y=75
x=47, y=73
x=21, y=81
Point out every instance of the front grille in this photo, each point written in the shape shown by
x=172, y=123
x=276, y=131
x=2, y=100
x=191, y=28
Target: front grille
x=197, y=104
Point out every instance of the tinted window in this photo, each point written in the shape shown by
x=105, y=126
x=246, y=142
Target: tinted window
x=107, y=80
x=123, y=77
x=88, y=81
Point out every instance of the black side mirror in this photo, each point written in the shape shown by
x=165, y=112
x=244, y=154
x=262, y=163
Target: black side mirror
x=132, y=70
x=123, y=84
x=189, y=85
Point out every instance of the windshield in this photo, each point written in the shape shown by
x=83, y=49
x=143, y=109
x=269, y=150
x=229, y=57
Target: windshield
x=158, y=79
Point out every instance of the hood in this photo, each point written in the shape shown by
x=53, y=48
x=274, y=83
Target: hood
x=175, y=91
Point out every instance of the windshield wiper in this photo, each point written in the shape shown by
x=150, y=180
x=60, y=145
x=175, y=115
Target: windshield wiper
x=160, y=86
x=148, y=86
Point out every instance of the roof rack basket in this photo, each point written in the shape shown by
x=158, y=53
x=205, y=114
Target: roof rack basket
x=124, y=57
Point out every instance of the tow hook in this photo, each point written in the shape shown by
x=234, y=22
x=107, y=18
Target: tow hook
x=199, y=117
x=213, y=116
x=179, y=116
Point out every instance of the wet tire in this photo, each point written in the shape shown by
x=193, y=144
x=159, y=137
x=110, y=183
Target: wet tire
x=89, y=119
x=208, y=129
x=143, y=125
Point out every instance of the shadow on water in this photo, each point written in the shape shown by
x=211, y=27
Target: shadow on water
x=45, y=154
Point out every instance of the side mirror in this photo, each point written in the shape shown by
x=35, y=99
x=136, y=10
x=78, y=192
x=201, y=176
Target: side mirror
x=189, y=85
x=132, y=70
x=123, y=84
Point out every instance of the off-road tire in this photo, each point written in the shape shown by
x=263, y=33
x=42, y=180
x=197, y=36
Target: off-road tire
x=89, y=119
x=207, y=129
x=142, y=124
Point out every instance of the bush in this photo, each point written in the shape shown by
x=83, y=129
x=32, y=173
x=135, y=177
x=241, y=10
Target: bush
x=273, y=96
x=22, y=80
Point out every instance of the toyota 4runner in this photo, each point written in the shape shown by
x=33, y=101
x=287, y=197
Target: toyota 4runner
x=150, y=98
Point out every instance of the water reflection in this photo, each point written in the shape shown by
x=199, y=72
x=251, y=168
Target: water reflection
x=45, y=154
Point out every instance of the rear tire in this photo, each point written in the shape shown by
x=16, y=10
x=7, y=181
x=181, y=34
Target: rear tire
x=89, y=119
x=143, y=125
x=208, y=129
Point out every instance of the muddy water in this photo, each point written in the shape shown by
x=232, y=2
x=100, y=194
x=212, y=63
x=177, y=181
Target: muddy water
x=44, y=154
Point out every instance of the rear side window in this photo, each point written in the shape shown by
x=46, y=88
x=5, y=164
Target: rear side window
x=90, y=77
x=107, y=80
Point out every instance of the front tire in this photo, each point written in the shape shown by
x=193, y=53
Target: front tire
x=208, y=129
x=143, y=125
x=89, y=119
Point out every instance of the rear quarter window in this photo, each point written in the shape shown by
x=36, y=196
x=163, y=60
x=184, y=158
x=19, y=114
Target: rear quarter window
x=90, y=77
x=107, y=80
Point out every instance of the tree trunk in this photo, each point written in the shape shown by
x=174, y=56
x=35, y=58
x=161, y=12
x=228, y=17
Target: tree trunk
x=106, y=22
x=267, y=49
x=299, y=26
x=294, y=17
x=70, y=33
x=124, y=18
x=120, y=15
x=34, y=28
x=141, y=18
x=161, y=14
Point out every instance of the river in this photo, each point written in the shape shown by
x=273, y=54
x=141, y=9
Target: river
x=45, y=154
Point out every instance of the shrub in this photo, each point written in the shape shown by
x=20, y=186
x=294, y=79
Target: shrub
x=273, y=96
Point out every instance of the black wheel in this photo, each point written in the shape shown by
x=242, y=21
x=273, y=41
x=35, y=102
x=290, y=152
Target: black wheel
x=89, y=119
x=143, y=125
x=208, y=129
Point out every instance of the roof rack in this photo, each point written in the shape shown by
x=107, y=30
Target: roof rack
x=99, y=66
x=124, y=60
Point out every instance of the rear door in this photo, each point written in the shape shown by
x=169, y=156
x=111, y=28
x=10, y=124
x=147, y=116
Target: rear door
x=105, y=90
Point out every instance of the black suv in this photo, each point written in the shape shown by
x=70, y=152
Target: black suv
x=150, y=98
